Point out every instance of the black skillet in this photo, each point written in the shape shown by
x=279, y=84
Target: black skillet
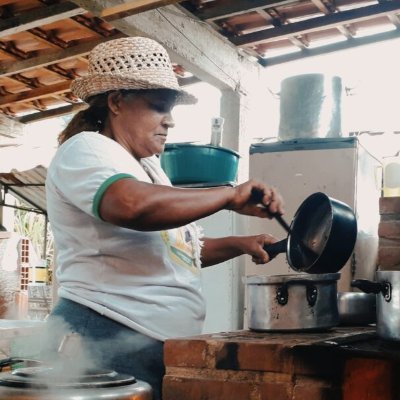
x=321, y=236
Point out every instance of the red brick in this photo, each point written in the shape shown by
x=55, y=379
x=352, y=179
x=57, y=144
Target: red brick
x=316, y=389
x=181, y=388
x=185, y=353
x=388, y=256
x=368, y=379
x=275, y=391
x=250, y=357
x=389, y=229
x=389, y=205
x=384, y=242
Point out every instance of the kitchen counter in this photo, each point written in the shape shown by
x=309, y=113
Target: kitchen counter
x=344, y=363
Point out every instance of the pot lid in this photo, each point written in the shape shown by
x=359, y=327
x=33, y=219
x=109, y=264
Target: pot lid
x=45, y=377
x=275, y=279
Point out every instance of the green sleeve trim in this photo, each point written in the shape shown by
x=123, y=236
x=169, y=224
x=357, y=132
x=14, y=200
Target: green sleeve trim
x=104, y=186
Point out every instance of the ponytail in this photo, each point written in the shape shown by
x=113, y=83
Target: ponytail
x=90, y=119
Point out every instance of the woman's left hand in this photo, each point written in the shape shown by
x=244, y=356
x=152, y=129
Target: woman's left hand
x=217, y=250
x=254, y=246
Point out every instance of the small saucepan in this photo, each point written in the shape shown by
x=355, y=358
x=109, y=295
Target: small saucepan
x=321, y=236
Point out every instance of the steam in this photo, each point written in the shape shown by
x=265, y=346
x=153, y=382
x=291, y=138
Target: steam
x=71, y=356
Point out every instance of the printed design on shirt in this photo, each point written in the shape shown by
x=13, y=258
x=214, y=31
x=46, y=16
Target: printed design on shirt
x=180, y=247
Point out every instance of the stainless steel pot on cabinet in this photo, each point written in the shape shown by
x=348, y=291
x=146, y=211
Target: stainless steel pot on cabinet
x=292, y=302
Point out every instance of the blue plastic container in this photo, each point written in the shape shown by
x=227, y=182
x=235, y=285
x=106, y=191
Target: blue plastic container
x=189, y=163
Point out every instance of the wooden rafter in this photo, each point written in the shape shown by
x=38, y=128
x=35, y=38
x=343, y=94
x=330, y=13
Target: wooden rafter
x=328, y=7
x=325, y=6
x=80, y=50
x=132, y=7
x=123, y=10
x=314, y=24
x=34, y=94
x=237, y=7
x=10, y=49
x=91, y=24
x=49, y=38
x=55, y=112
x=38, y=17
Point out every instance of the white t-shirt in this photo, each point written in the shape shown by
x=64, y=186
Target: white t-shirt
x=149, y=281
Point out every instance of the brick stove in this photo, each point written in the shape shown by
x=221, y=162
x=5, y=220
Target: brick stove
x=346, y=363
x=340, y=364
x=389, y=234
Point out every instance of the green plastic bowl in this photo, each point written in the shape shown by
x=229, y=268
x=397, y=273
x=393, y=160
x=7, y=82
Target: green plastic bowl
x=188, y=163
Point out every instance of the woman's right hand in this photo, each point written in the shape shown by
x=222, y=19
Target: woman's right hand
x=255, y=198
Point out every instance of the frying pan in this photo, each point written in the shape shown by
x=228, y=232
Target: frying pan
x=321, y=236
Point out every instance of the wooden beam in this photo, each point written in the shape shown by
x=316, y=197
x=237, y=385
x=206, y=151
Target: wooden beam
x=190, y=43
x=55, y=112
x=325, y=7
x=330, y=48
x=133, y=7
x=36, y=18
x=80, y=50
x=34, y=94
x=314, y=24
x=237, y=7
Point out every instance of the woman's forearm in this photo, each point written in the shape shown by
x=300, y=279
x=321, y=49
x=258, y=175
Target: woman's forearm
x=218, y=250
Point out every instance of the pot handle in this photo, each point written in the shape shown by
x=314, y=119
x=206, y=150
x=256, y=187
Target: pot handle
x=374, y=287
x=368, y=286
x=276, y=248
x=282, y=293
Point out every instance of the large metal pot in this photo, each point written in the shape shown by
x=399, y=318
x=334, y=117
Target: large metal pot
x=387, y=289
x=310, y=107
x=292, y=302
x=46, y=383
x=321, y=236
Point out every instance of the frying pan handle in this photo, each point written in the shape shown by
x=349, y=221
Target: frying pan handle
x=257, y=196
x=276, y=248
x=282, y=222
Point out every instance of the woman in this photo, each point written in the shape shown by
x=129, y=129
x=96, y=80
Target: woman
x=129, y=250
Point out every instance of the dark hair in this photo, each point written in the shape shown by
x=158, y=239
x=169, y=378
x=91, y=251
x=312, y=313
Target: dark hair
x=90, y=119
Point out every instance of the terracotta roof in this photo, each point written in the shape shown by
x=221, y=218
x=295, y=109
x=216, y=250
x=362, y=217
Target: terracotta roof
x=44, y=43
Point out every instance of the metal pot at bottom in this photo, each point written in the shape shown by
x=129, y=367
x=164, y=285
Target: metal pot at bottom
x=45, y=383
x=387, y=289
x=300, y=302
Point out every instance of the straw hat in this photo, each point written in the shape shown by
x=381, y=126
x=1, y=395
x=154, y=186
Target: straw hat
x=129, y=63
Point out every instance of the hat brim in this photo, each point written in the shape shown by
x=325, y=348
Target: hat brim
x=88, y=86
